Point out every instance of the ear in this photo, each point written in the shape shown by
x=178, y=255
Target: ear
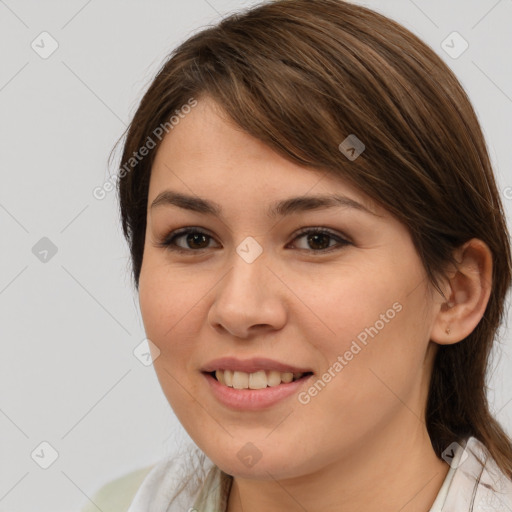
x=467, y=291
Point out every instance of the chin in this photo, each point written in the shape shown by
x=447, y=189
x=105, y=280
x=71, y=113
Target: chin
x=270, y=467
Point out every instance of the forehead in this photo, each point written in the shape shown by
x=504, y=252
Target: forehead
x=208, y=155
x=208, y=137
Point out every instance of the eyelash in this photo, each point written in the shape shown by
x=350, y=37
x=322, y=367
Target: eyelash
x=169, y=241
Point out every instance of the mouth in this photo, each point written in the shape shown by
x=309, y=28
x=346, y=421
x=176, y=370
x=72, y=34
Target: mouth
x=257, y=380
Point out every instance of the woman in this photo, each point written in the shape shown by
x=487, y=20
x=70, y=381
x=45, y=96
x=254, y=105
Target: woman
x=322, y=260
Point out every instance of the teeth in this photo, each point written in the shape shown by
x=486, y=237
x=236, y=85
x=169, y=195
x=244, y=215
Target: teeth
x=228, y=378
x=273, y=378
x=287, y=377
x=220, y=377
x=240, y=380
x=257, y=380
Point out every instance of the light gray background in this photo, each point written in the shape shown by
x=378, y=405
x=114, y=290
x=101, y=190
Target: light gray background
x=69, y=326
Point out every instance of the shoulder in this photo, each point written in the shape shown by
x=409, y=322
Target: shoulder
x=478, y=483
x=170, y=484
x=494, y=490
x=173, y=483
x=117, y=495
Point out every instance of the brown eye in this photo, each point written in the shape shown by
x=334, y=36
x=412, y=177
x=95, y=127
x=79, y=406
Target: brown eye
x=194, y=240
x=197, y=240
x=319, y=240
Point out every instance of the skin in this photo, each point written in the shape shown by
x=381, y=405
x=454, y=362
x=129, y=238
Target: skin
x=361, y=443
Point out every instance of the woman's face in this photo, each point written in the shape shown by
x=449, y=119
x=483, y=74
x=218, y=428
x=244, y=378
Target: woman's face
x=352, y=306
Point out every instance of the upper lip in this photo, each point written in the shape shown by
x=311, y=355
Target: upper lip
x=251, y=365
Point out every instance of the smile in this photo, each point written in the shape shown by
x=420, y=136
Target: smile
x=247, y=399
x=256, y=380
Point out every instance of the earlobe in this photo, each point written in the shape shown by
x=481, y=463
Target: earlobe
x=468, y=291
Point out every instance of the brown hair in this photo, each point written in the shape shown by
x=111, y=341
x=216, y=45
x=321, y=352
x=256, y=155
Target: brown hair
x=301, y=75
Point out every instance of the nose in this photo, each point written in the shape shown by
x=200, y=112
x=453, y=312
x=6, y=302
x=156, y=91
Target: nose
x=250, y=299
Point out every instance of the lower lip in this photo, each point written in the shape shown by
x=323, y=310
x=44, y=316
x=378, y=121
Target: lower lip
x=253, y=399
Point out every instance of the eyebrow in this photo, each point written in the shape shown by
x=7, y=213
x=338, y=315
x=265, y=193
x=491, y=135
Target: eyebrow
x=279, y=208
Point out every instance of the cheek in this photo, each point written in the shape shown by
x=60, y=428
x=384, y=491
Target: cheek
x=165, y=296
x=372, y=318
x=346, y=302
x=169, y=321
x=173, y=309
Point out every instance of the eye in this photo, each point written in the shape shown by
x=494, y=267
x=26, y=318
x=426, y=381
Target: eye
x=195, y=240
x=318, y=238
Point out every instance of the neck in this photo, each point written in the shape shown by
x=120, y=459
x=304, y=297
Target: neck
x=394, y=470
